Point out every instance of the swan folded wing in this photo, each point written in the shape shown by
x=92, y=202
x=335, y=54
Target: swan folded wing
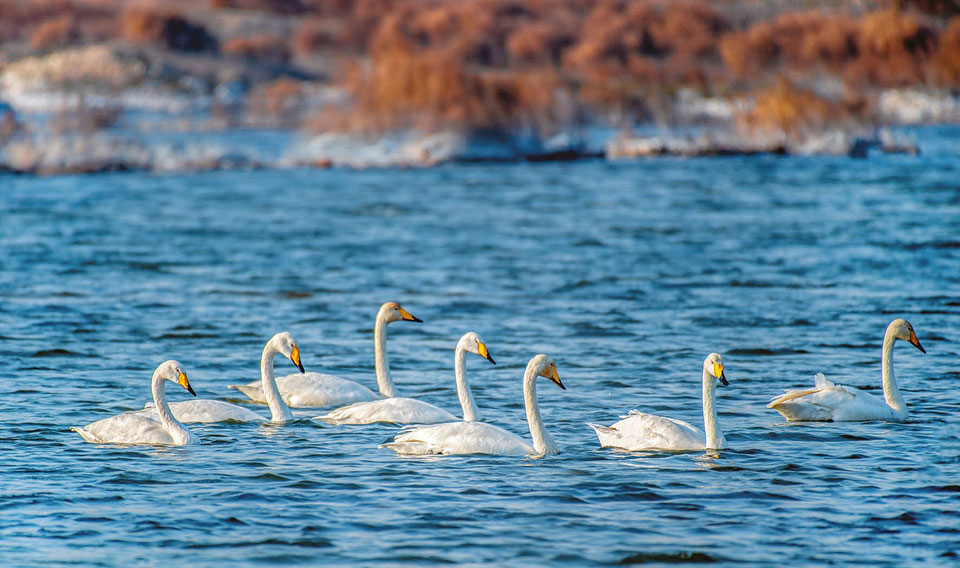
x=126, y=428
x=460, y=438
x=397, y=410
x=320, y=389
x=831, y=402
x=205, y=411
x=825, y=393
x=312, y=389
x=643, y=431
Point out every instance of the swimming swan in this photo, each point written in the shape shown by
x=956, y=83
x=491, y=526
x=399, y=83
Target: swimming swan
x=320, y=389
x=206, y=410
x=483, y=438
x=827, y=401
x=402, y=410
x=135, y=428
x=642, y=431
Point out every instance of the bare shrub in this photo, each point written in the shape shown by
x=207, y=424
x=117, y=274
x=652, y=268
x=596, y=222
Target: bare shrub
x=259, y=47
x=54, y=32
x=785, y=108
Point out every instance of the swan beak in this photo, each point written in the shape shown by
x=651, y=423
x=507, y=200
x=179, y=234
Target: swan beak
x=295, y=357
x=553, y=376
x=407, y=316
x=183, y=382
x=916, y=342
x=482, y=348
x=718, y=373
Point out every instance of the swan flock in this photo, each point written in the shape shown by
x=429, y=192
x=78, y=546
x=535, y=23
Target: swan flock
x=431, y=430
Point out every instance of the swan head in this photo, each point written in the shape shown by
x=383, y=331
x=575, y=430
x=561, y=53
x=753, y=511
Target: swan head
x=902, y=329
x=713, y=366
x=545, y=367
x=172, y=371
x=287, y=346
x=392, y=311
x=471, y=342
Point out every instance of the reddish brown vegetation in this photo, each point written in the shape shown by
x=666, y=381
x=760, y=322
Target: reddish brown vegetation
x=789, y=109
x=51, y=23
x=266, y=48
x=533, y=64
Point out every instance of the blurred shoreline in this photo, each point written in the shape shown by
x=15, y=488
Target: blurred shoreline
x=103, y=85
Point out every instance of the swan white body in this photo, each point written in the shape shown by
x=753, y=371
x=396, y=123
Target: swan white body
x=136, y=428
x=481, y=438
x=321, y=389
x=402, y=410
x=641, y=431
x=831, y=402
x=206, y=410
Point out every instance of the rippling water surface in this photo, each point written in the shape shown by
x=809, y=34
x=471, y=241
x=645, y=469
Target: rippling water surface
x=628, y=274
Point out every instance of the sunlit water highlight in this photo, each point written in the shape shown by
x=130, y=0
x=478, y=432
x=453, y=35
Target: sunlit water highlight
x=628, y=274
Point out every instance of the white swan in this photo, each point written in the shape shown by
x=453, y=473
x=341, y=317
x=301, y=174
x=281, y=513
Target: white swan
x=483, y=438
x=135, y=428
x=320, y=389
x=642, y=431
x=827, y=401
x=402, y=410
x=207, y=410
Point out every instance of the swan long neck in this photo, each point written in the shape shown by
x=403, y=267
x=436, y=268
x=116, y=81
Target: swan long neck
x=891, y=393
x=279, y=411
x=714, y=437
x=172, y=426
x=470, y=411
x=542, y=441
x=384, y=380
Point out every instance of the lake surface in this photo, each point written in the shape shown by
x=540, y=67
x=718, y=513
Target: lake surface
x=628, y=274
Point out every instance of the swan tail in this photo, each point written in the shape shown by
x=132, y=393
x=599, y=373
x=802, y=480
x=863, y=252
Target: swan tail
x=87, y=436
x=413, y=448
x=822, y=381
x=605, y=434
x=331, y=419
x=253, y=393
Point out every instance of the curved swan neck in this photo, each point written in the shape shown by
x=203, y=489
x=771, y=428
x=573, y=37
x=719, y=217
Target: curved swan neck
x=172, y=426
x=714, y=437
x=384, y=380
x=279, y=411
x=891, y=393
x=542, y=441
x=470, y=411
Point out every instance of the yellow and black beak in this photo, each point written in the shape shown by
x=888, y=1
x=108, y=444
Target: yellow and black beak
x=407, y=316
x=718, y=373
x=916, y=342
x=183, y=382
x=555, y=378
x=482, y=348
x=295, y=357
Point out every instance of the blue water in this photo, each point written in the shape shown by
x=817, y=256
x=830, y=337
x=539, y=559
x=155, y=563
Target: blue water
x=628, y=274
